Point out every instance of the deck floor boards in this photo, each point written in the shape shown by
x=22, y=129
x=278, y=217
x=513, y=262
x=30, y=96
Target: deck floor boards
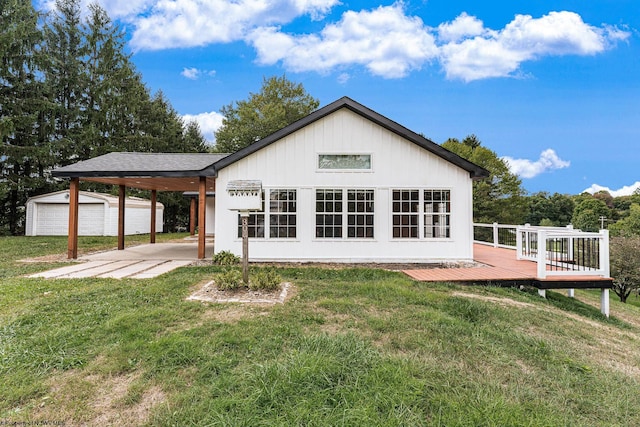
x=499, y=265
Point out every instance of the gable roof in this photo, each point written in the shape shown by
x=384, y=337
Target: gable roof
x=475, y=171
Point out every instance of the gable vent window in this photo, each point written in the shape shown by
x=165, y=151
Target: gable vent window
x=344, y=162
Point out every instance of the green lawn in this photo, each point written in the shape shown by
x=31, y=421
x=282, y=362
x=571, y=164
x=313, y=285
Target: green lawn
x=353, y=347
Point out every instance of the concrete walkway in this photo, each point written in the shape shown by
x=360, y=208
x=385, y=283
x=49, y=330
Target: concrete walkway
x=137, y=262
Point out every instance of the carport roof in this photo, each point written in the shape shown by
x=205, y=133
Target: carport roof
x=126, y=164
x=147, y=171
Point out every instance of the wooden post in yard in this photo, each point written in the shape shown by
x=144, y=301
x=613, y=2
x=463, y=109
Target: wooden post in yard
x=121, y=197
x=152, y=237
x=72, y=242
x=245, y=246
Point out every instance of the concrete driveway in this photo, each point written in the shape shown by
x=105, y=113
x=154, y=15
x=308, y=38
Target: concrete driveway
x=137, y=262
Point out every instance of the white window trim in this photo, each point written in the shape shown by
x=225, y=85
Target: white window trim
x=421, y=213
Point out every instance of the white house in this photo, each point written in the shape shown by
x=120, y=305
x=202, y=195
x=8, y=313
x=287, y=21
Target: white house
x=346, y=184
x=48, y=215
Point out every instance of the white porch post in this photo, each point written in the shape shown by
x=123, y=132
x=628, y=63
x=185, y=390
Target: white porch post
x=542, y=254
x=519, y=233
x=495, y=235
x=604, y=302
x=604, y=253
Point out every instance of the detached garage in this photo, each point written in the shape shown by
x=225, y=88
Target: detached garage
x=48, y=215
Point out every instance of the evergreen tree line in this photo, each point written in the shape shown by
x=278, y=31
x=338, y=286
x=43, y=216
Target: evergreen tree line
x=70, y=92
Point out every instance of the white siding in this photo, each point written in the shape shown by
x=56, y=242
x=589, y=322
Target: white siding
x=396, y=164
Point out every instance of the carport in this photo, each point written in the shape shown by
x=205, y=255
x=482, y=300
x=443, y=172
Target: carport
x=146, y=171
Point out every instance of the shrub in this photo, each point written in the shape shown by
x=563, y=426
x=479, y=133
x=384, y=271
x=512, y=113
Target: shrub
x=225, y=258
x=266, y=280
x=229, y=280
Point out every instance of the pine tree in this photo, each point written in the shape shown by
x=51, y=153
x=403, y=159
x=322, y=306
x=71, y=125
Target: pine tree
x=25, y=150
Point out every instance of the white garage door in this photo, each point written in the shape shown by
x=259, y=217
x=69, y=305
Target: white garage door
x=53, y=219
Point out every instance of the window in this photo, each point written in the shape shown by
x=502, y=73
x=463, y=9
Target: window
x=360, y=214
x=344, y=161
x=434, y=218
x=280, y=218
x=437, y=210
x=329, y=214
x=405, y=214
x=331, y=217
x=282, y=214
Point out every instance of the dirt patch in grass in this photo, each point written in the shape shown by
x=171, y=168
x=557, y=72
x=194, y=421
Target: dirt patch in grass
x=497, y=300
x=208, y=292
x=81, y=398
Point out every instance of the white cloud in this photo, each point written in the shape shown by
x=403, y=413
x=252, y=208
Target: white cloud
x=384, y=40
x=525, y=168
x=461, y=27
x=194, y=73
x=491, y=53
x=188, y=23
x=626, y=190
x=208, y=122
x=343, y=78
x=190, y=73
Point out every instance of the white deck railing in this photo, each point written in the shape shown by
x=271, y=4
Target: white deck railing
x=567, y=252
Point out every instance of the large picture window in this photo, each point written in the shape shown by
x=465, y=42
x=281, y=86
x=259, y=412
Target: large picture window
x=278, y=220
x=421, y=214
x=334, y=220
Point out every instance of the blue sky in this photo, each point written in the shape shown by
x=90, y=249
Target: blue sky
x=551, y=86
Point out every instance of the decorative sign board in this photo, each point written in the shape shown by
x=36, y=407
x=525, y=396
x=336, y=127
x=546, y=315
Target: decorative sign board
x=245, y=195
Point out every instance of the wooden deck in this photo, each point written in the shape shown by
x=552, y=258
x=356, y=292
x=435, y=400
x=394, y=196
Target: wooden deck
x=500, y=266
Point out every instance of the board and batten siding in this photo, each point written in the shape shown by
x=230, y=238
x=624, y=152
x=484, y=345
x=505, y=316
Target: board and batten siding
x=292, y=163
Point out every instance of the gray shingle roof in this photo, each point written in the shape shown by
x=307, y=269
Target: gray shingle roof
x=143, y=164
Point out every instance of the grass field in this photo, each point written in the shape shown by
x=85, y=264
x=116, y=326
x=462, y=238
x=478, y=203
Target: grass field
x=353, y=347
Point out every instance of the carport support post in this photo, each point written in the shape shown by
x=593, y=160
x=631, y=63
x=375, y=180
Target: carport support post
x=245, y=246
x=152, y=237
x=202, y=211
x=192, y=217
x=121, y=197
x=72, y=243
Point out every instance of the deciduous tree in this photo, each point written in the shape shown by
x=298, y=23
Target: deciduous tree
x=279, y=103
x=588, y=213
x=625, y=265
x=499, y=198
